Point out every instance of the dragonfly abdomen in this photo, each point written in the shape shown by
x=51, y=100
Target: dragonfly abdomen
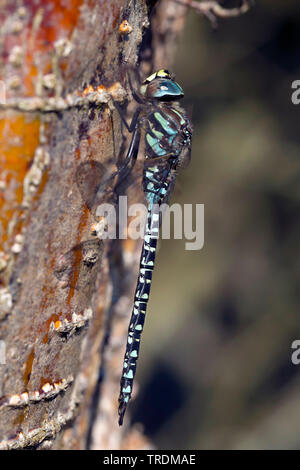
x=138, y=313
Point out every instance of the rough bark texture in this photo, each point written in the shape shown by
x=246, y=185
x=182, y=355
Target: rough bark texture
x=62, y=290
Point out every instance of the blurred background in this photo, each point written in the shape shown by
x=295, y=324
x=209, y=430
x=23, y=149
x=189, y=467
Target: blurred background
x=215, y=367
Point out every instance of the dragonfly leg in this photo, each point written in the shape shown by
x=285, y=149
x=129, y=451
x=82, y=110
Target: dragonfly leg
x=134, y=122
x=130, y=158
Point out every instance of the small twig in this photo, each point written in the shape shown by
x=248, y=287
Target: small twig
x=212, y=9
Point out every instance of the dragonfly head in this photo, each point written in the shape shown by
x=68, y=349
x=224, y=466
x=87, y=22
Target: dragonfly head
x=161, y=86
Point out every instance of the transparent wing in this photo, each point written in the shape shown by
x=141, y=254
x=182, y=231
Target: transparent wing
x=184, y=158
x=95, y=183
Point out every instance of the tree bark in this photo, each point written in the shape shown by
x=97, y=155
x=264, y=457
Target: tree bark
x=65, y=296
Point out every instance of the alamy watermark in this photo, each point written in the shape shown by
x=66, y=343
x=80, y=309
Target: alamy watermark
x=295, y=97
x=129, y=222
x=295, y=357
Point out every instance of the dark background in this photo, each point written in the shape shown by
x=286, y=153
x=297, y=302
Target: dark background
x=215, y=367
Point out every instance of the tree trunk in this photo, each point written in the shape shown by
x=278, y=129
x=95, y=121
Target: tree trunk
x=65, y=296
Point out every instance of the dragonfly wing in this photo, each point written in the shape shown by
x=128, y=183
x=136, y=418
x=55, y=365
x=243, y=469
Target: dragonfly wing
x=125, y=171
x=95, y=183
x=184, y=158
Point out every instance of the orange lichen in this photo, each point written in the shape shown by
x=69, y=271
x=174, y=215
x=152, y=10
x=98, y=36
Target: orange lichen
x=57, y=16
x=101, y=88
x=41, y=26
x=28, y=368
x=88, y=90
x=125, y=27
x=53, y=318
x=19, y=137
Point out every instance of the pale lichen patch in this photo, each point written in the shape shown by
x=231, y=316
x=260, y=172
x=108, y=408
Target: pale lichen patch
x=63, y=47
x=18, y=244
x=5, y=302
x=16, y=56
x=34, y=176
x=68, y=327
x=47, y=391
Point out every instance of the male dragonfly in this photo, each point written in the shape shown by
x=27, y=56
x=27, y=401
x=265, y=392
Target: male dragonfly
x=168, y=134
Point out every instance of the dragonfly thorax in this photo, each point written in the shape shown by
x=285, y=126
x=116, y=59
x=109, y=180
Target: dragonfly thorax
x=168, y=130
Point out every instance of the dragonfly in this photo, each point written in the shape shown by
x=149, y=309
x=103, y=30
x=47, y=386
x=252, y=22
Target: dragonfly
x=167, y=133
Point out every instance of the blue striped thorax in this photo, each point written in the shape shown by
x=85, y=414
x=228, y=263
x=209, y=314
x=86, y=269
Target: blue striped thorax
x=168, y=129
